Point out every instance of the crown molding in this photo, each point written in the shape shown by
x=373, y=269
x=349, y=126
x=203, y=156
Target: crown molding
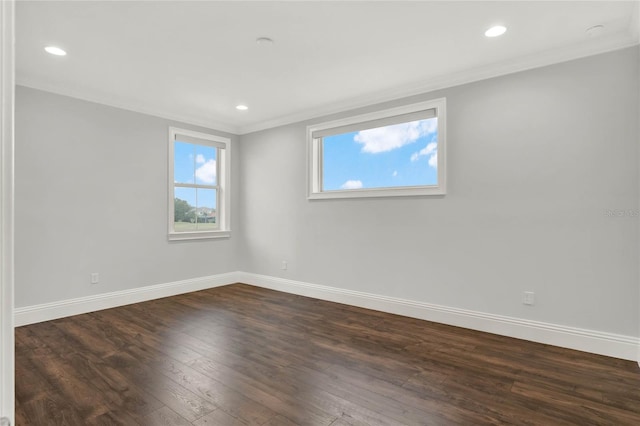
x=168, y=115
x=617, y=41
x=612, y=43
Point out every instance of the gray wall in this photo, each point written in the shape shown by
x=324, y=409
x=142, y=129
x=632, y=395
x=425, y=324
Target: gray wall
x=535, y=161
x=91, y=196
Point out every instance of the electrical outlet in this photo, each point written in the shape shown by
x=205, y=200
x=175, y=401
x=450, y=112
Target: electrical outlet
x=528, y=298
x=284, y=265
x=95, y=278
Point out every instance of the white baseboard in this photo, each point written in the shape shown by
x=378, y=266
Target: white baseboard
x=609, y=344
x=82, y=305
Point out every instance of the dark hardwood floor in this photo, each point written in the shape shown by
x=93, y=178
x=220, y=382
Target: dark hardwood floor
x=239, y=355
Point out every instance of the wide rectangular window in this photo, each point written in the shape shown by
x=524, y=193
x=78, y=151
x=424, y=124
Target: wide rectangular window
x=394, y=152
x=198, y=187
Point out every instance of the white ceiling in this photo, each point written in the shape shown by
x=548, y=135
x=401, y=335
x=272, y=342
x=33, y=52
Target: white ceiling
x=195, y=61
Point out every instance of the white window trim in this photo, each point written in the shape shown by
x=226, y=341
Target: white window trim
x=224, y=208
x=314, y=155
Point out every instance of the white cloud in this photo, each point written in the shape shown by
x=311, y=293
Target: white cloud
x=200, y=159
x=431, y=150
x=433, y=160
x=395, y=173
x=352, y=184
x=383, y=139
x=207, y=172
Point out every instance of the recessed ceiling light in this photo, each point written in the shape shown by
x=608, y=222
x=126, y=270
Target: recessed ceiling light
x=55, y=50
x=242, y=107
x=264, y=41
x=496, y=31
x=594, y=31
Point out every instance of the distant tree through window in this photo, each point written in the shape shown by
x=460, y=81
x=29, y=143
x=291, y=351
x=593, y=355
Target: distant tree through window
x=199, y=174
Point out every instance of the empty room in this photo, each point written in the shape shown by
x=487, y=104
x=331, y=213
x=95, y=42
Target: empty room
x=323, y=213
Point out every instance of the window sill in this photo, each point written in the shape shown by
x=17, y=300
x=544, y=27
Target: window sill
x=185, y=236
x=379, y=193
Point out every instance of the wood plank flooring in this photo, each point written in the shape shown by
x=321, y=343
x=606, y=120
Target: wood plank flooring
x=241, y=355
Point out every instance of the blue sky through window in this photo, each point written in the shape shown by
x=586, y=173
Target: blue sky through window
x=404, y=154
x=195, y=164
